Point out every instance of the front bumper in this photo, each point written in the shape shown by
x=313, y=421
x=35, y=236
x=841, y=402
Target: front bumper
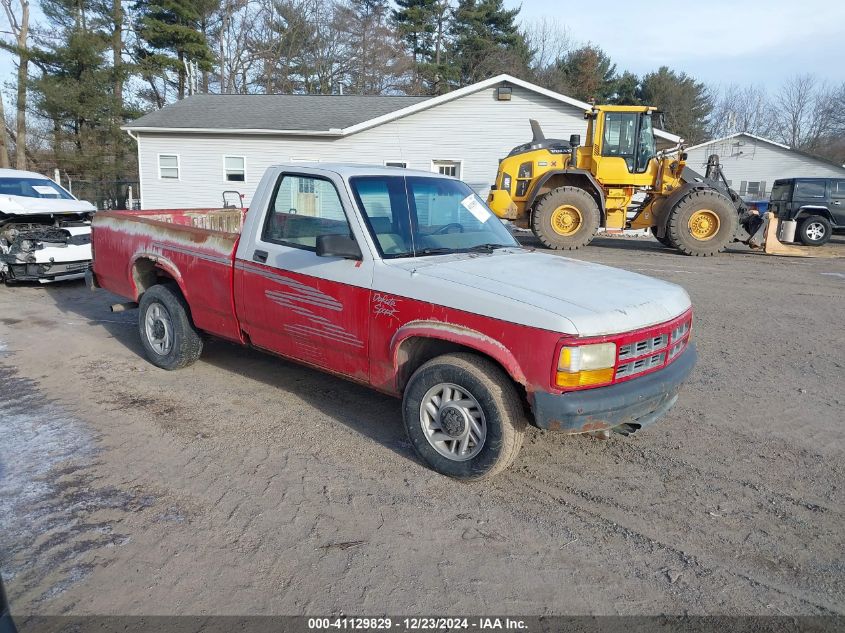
x=636, y=402
x=49, y=271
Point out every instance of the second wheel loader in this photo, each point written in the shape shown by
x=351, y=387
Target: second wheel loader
x=564, y=191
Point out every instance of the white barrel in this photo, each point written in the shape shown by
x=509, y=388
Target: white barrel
x=787, y=230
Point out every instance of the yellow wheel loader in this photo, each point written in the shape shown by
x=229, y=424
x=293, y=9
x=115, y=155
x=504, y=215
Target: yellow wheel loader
x=564, y=191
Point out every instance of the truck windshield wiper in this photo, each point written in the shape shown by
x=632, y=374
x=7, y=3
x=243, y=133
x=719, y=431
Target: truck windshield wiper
x=486, y=248
x=433, y=251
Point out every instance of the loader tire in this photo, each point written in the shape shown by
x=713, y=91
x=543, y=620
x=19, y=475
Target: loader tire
x=702, y=223
x=663, y=240
x=566, y=218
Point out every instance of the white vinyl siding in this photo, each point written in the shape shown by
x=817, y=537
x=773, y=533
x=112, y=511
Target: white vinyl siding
x=753, y=165
x=476, y=128
x=168, y=166
x=234, y=168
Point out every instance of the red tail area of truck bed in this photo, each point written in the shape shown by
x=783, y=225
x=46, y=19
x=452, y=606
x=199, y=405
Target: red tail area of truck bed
x=193, y=247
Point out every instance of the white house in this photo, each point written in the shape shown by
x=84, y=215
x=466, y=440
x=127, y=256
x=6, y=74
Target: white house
x=752, y=163
x=192, y=151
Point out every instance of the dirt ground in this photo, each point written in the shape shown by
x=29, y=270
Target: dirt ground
x=249, y=485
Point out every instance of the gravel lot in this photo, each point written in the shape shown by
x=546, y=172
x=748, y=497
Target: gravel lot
x=246, y=484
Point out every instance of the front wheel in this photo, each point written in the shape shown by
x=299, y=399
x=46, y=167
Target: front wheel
x=464, y=416
x=169, y=337
x=566, y=218
x=702, y=223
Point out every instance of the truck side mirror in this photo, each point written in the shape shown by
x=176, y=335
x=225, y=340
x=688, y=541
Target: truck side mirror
x=338, y=246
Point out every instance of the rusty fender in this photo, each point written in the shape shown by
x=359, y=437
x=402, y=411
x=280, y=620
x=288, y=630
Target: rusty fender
x=456, y=334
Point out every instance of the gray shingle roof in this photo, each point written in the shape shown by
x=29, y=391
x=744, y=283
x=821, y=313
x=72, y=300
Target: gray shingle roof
x=272, y=112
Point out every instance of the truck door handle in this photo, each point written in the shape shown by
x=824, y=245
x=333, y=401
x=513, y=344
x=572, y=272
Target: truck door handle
x=260, y=256
x=836, y=202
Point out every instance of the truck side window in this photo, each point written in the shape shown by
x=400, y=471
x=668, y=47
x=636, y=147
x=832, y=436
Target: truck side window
x=302, y=208
x=808, y=189
x=838, y=189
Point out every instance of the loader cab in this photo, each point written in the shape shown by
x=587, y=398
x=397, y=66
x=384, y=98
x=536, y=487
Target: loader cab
x=623, y=146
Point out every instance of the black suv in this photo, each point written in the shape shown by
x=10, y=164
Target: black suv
x=817, y=204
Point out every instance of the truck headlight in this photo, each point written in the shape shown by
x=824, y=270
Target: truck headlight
x=581, y=365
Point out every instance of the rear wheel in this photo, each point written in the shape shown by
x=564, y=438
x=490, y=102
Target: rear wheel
x=814, y=231
x=169, y=337
x=464, y=416
x=566, y=218
x=702, y=223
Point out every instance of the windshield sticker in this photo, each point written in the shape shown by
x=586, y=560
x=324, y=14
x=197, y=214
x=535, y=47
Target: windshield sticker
x=471, y=204
x=45, y=189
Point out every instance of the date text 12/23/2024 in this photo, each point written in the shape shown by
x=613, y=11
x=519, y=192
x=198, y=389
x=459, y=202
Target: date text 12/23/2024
x=417, y=624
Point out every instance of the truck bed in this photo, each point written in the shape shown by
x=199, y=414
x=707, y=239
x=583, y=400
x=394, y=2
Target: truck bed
x=198, y=244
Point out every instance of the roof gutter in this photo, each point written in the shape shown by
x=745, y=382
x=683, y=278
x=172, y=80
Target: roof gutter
x=256, y=131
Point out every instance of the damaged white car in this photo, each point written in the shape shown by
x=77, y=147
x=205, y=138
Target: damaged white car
x=45, y=233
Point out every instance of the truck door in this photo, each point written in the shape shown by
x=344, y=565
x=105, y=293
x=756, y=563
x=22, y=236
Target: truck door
x=292, y=302
x=837, y=200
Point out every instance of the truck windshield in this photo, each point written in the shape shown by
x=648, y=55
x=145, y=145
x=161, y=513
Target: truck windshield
x=33, y=188
x=413, y=216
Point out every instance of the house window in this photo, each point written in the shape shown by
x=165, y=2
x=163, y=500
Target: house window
x=235, y=168
x=753, y=188
x=168, y=166
x=447, y=167
x=396, y=163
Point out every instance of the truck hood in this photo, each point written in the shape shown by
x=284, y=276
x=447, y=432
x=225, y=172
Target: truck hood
x=21, y=205
x=588, y=299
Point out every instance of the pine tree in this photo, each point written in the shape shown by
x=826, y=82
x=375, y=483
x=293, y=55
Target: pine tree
x=686, y=103
x=587, y=73
x=75, y=92
x=487, y=41
x=626, y=89
x=416, y=24
x=170, y=36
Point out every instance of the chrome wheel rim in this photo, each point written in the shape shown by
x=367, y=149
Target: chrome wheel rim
x=159, y=329
x=815, y=231
x=453, y=422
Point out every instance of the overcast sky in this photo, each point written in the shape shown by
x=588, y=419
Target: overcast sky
x=717, y=41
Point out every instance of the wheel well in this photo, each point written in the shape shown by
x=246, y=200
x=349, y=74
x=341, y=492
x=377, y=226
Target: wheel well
x=415, y=351
x=146, y=273
x=806, y=213
x=569, y=179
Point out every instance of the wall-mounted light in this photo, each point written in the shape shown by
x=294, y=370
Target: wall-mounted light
x=503, y=93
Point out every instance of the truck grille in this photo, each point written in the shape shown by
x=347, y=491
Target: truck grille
x=638, y=366
x=653, y=348
x=646, y=346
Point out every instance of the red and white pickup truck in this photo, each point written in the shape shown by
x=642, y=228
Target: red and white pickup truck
x=405, y=281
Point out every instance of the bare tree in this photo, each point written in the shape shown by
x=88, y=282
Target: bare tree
x=4, y=137
x=549, y=40
x=809, y=113
x=18, y=17
x=742, y=109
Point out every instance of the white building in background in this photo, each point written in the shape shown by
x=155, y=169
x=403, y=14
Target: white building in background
x=192, y=151
x=752, y=163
